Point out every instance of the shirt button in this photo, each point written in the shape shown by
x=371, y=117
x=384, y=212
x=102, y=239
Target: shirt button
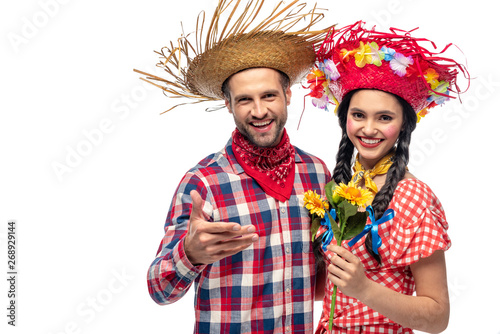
x=287, y=250
x=283, y=210
x=287, y=290
x=191, y=273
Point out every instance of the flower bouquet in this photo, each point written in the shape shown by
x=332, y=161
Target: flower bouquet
x=340, y=215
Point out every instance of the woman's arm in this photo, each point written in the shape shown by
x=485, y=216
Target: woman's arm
x=428, y=311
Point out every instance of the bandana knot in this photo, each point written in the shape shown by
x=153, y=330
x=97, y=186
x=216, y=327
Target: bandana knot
x=271, y=167
x=360, y=173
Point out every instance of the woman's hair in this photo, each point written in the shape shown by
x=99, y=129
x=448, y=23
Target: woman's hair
x=342, y=172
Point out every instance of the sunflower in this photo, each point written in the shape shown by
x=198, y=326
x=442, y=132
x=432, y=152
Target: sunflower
x=355, y=195
x=314, y=203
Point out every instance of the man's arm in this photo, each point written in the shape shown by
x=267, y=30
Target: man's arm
x=171, y=273
x=190, y=243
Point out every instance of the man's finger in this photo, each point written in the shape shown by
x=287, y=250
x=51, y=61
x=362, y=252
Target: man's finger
x=234, y=229
x=231, y=247
x=197, y=206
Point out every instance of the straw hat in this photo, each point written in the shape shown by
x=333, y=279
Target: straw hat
x=358, y=58
x=269, y=43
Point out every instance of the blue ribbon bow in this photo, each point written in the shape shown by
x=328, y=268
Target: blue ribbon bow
x=328, y=235
x=373, y=227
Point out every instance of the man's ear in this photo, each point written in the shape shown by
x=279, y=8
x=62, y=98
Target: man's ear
x=288, y=94
x=228, y=105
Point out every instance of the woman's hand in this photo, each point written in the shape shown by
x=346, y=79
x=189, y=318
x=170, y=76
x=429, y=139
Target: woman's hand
x=347, y=273
x=428, y=311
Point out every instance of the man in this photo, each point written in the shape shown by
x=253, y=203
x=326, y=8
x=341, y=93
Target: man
x=237, y=227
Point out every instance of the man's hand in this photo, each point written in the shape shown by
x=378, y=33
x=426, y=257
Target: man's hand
x=208, y=242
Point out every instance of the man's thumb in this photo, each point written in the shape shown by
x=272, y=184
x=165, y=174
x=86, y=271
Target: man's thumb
x=197, y=208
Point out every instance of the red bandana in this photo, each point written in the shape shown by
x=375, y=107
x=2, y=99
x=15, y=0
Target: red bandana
x=273, y=168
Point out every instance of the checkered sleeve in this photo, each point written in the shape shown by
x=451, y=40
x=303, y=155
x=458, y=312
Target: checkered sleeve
x=171, y=273
x=420, y=225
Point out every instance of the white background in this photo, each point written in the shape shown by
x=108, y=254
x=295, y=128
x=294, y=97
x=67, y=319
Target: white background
x=87, y=234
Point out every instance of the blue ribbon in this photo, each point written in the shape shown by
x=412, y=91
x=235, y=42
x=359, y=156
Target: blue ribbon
x=328, y=235
x=373, y=227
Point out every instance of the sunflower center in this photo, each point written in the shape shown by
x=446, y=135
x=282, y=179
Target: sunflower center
x=354, y=192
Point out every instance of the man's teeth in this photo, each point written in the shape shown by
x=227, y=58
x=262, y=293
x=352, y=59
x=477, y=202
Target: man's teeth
x=261, y=123
x=370, y=141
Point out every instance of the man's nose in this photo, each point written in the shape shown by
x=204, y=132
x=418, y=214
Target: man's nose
x=259, y=109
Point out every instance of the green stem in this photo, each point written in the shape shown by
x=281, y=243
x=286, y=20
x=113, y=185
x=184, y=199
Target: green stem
x=332, y=308
x=334, y=296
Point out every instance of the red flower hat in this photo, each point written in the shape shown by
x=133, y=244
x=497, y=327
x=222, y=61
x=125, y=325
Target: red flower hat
x=354, y=58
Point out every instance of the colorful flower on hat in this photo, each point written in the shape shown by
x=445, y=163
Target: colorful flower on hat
x=346, y=54
x=363, y=55
x=368, y=53
x=329, y=69
x=321, y=102
x=388, y=53
x=431, y=76
x=442, y=89
x=377, y=55
x=422, y=113
x=318, y=80
x=399, y=63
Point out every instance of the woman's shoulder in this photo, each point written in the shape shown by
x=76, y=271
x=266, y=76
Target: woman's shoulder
x=411, y=184
x=419, y=225
x=414, y=193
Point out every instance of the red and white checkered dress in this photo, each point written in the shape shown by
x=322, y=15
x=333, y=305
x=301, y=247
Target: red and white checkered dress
x=417, y=230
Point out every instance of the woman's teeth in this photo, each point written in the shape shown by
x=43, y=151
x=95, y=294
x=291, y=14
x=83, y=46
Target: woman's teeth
x=370, y=141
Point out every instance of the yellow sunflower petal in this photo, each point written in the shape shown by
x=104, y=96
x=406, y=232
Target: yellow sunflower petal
x=355, y=195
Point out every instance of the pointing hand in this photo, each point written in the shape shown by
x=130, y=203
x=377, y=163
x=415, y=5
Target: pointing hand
x=207, y=242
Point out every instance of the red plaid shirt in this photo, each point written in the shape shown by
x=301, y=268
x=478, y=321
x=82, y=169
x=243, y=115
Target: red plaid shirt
x=418, y=229
x=268, y=287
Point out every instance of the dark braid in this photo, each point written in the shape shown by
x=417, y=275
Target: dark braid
x=343, y=172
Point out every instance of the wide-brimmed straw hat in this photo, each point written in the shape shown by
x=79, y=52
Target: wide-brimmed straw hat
x=358, y=58
x=196, y=69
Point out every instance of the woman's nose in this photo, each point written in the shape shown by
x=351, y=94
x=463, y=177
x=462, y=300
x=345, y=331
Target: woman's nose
x=369, y=128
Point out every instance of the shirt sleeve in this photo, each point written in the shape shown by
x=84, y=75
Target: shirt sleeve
x=171, y=274
x=420, y=226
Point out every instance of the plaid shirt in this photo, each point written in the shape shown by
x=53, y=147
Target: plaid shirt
x=266, y=288
x=418, y=229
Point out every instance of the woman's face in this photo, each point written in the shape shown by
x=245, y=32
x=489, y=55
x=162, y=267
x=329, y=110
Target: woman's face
x=374, y=121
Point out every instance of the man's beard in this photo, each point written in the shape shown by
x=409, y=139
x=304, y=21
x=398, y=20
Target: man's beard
x=266, y=140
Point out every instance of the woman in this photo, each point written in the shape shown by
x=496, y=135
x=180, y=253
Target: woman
x=386, y=82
